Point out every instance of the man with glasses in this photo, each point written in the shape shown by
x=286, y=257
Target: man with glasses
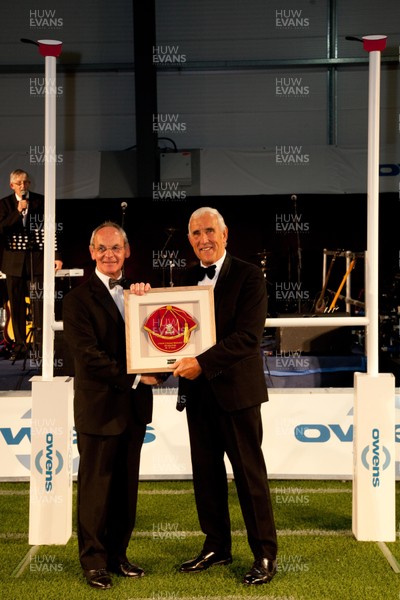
x=22, y=229
x=111, y=410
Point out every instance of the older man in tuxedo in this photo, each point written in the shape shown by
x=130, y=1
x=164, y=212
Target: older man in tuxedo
x=111, y=409
x=222, y=390
x=21, y=225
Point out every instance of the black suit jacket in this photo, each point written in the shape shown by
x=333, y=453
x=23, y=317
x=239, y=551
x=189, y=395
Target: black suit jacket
x=11, y=224
x=233, y=367
x=104, y=401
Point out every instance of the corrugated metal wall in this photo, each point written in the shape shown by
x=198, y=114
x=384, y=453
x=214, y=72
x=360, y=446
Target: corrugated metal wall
x=232, y=74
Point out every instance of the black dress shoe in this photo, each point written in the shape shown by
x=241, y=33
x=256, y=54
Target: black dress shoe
x=205, y=560
x=99, y=579
x=262, y=571
x=127, y=569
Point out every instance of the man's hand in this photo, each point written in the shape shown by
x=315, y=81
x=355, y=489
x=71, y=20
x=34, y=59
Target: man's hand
x=58, y=265
x=22, y=205
x=188, y=368
x=139, y=288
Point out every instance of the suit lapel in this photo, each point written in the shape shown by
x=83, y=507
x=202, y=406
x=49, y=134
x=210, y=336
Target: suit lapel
x=101, y=295
x=226, y=265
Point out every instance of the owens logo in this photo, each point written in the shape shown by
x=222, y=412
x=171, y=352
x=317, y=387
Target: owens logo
x=49, y=468
x=379, y=460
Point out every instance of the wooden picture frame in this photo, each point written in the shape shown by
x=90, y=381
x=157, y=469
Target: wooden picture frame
x=167, y=324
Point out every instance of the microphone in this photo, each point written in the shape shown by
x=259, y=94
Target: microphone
x=293, y=197
x=24, y=211
x=124, y=206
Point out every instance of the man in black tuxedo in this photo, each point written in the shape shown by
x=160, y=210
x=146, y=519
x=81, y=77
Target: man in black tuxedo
x=223, y=389
x=21, y=225
x=111, y=409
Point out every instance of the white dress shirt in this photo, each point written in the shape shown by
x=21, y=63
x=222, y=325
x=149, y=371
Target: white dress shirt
x=117, y=294
x=213, y=281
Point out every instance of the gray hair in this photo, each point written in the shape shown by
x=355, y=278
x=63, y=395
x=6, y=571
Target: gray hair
x=109, y=224
x=207, y=210
x=17, y=173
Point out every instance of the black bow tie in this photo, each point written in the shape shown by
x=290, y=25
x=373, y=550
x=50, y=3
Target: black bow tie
x=203, y=271
x=113, y=282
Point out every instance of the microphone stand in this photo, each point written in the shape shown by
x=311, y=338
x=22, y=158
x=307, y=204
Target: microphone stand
x=170, y=232
x=171, y=266
x=32, y=338
x=124, y=206
x=299, y=261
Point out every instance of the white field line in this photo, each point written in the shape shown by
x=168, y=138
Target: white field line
x=187, y=534
x=20, y=568
x=389, y=557
x=290, y=490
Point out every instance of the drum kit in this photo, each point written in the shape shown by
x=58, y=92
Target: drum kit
x=327, y=300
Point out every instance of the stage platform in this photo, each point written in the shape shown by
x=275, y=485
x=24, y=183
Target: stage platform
x=295, y=370
x=15, y=377
x=281, y=371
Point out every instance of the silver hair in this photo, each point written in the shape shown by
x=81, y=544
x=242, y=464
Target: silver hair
x=17, y=173
x=208, y=210
x=109, y=224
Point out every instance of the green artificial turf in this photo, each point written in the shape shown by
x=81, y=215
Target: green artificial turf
x=319, y=558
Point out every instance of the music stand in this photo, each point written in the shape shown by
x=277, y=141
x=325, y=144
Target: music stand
x=30, y=242
x=298, y=252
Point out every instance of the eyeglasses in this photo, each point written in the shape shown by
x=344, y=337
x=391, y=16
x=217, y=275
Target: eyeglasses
x=114, y=249
x=20, y=183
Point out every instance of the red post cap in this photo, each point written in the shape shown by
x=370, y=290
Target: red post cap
x=374, y=42
x=50, y=47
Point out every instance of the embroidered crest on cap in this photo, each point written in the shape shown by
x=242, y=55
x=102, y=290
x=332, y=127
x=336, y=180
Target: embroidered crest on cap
x=169, y=328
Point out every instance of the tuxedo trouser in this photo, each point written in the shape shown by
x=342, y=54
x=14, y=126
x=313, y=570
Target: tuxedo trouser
x=108, y=480
x=214, y=432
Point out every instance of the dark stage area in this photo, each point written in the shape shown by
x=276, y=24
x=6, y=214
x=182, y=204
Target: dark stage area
x=257, y=224
x=15, y=377
x=272, y=232
x=284, y=238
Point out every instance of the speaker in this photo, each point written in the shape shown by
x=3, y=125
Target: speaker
x=323, y=340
